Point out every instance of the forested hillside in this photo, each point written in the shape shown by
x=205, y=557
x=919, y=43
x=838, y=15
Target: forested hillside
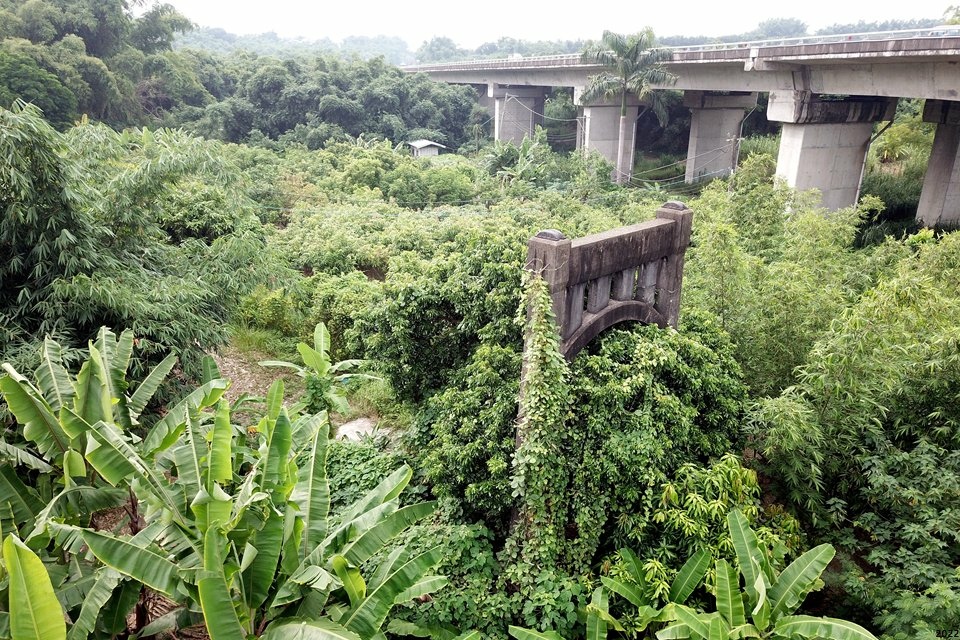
x=784, y=464
x=93, y=58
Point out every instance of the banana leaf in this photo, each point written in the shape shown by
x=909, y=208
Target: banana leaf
x=52, y=377
x=729, y=599
x=35, y=612
x=811, y=627
x=40, y=424
x=322, y=629
x=215, y=599
x=798, y=579
x=311, y=494
x=367, y=618
x=689, y=576
x=596, y=625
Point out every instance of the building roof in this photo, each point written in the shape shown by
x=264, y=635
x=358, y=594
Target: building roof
x=420, y=144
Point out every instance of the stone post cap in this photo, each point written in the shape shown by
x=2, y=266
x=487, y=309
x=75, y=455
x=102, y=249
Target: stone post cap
x=550, y=234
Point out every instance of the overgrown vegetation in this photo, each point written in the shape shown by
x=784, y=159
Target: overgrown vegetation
x=808, y=396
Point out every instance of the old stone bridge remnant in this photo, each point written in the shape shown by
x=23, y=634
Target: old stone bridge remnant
x=630, y=273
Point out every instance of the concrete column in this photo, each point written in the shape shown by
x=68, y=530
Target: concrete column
x=940, y=199
x=517, y=111
x=714, y=133
x=823, y=144
x=600, y=131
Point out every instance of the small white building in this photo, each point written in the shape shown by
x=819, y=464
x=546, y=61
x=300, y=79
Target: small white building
x=426, y=148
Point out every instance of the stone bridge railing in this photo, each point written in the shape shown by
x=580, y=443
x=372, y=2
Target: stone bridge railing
x=630, y=273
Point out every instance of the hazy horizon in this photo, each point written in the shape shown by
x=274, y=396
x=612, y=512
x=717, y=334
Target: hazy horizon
x=526, y=21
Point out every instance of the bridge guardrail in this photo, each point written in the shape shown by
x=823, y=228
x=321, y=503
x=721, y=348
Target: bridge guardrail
x=575, y=59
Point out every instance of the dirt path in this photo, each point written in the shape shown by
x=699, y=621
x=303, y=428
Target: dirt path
x=246, y=376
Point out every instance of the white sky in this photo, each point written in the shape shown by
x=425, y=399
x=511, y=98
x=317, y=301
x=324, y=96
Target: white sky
x=471, y=23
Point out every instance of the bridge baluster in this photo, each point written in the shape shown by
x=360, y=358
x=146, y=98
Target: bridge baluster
x=646, y=291
x=598, y=294
x=623, y=284
x=574, y=309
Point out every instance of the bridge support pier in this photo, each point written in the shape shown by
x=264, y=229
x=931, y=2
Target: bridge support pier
x=940, y=199
x=714, y=133
x=516, y=111
x=600, y=131
x=823, y=144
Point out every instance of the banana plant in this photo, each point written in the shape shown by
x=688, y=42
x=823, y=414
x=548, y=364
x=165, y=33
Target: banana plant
x=246, y=535
x=599, y=620
x=635, y=592
x=57, y=412
x=324, y=379
x=765, y=607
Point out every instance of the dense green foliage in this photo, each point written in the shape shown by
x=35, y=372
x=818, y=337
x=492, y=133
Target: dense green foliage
x=811, y=386
x=107, y=228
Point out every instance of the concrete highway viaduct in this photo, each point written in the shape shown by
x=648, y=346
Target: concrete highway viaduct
x=827, y=91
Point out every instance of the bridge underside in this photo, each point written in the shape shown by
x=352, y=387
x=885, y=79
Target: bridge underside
x=616, y=312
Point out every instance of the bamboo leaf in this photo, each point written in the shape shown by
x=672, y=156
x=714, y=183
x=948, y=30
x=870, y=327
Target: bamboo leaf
x=689, y=576
x=798, y=579
x=35, y=612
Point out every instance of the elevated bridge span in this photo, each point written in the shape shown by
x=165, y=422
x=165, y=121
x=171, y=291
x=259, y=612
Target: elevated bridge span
x=828, y=91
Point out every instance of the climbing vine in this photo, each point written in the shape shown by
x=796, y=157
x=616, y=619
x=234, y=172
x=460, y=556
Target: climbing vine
x=540, y=479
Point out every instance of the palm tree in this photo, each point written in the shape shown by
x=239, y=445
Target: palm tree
x=633, y=65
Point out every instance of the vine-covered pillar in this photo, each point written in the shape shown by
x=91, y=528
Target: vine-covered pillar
x=548, y=254
x=670, y=276
x=539, y=478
